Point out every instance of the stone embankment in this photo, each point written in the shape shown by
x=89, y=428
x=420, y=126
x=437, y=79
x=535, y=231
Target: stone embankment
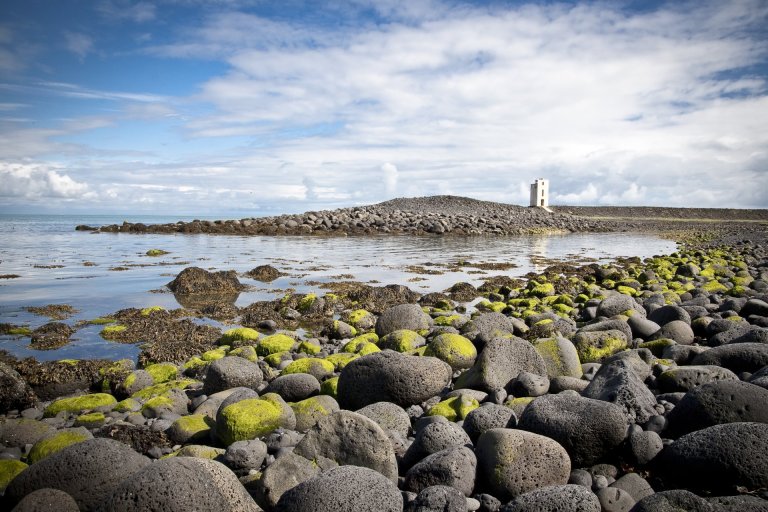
x=445, y=215
x=632, y=386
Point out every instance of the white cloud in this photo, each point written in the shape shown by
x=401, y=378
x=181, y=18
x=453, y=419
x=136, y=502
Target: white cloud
x=79, y=44
x=34, y=181
x=139, y=12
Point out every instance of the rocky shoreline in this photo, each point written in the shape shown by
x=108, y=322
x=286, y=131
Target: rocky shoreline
x=635, y=385
x=449, y=215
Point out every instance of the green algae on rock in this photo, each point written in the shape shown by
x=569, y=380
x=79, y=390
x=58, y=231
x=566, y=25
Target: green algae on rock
x=56, y=442
x=81, y=403
x=454, y=349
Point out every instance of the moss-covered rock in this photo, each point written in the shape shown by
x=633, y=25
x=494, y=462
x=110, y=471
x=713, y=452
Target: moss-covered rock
x=454, y=349
x=238, y=335
x=454, y=408
x=247, y=419
x=594, y=346
x=361, y=319
x=56, y=442
x=518, y=405
x=78, y=404
x=341, y=359
x=275, y=343
x=152, y=309
x=111, y=332
x=360, y=345
x=319, y=368
x=215, y=354
x=9, y=469
x=199, y=451
x=402, y=340
x=161, y=389
x=540, y=289
x=275, y=359
x=657, y=346
x=193, y=428
x=156, y=252
x=330, y=387
x=162, y=372
x=90, y=420
x=560, y=356
x=309, y=411
x=127, y=405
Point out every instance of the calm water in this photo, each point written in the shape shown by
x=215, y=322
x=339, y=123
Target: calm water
x=101, y=273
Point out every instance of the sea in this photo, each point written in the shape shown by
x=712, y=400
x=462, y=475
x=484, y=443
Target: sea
x=100, y=273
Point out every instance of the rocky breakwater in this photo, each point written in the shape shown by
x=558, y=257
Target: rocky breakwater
x=442, y=215
x=638, y=385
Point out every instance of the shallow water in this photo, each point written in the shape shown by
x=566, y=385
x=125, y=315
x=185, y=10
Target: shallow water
x=99, y=274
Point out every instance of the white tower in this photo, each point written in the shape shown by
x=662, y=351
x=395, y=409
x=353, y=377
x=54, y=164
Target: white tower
x=540, y=193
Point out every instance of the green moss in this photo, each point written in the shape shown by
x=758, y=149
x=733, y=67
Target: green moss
x=81, y=403
x=55, y=443
x=156, y=252
x=371, y=337
x=361, y=346
x=196, y=427
x=626, y=290
x=450, y=320
x=308, y=348
x=359, y=315
x=152, y=309
x=402, y=340
x=239, y=334
x=275, y=359
x=657, y=346
x=608, y=346
x=160, y=389
x=550, y=350
x=10, y=469
x=247, y=419
x=306, y=302
x=541, y=290
x=246, y=352
x=90, y=420
x=312, y=365
x=111, y=331
x=194, y=363
x=330, y=387
x=454, y=349
x=70, y=362
x=157, y=403
x=199, y=451
x=454, y=408
x=714, y=287
x=337, y=324
x=162, y=372
x=215, y=354
x=341, y=359
x=275, y=343
x=20, y=331
x=102, y=320
x=518, y=404
x=127, y=405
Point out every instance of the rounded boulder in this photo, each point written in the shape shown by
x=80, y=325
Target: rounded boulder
x=556, y=498
x=513, y=462
x=343, y=489
x=403, y=316
x=391, y=377
x=231, y=372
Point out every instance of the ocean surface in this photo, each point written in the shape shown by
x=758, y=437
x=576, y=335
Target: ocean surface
x=100, y=273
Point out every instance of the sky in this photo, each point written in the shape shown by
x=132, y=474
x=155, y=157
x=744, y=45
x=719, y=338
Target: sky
x=256, y=107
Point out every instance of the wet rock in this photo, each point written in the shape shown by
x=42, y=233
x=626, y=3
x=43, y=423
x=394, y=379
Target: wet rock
x=197, y=484
x=86, y=471
x=500, y=361
x=264, y=273
x=588, y=429
x=15, y=393
x=195, y=280
x=726, y=401
x=346, y=437
x=719, y=457
x=344, y=489
x=513, y=462
x=51, y=336
x=391, y=377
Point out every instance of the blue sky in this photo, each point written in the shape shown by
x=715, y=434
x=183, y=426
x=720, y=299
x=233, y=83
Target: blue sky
x=243, y=107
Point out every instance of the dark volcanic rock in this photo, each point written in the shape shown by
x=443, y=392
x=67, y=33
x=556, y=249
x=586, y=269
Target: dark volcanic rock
x=343, y=489
x=557, y=498
x=264, y=273
x=618, y=383
x=15, y=393
x=87, y=471
x=719, y=402
x=719, y=457
x=195, y=280
x=391, y=377
x=499, y=362
x=738, y=357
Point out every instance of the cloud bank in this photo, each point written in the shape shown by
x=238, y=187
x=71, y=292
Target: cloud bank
x=664, y=107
